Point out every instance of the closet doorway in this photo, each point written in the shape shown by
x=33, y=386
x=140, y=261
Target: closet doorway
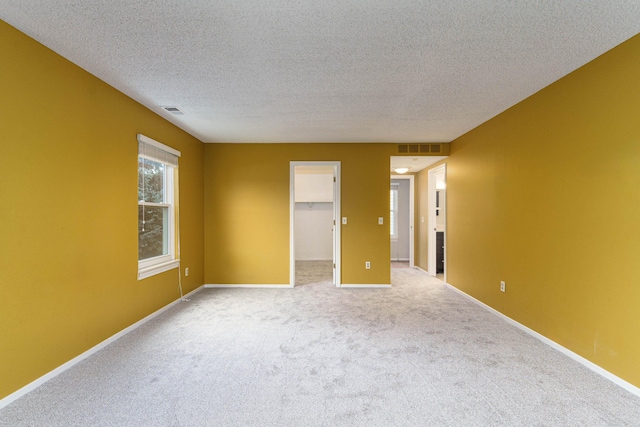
x=401, y=219
x=314, y=213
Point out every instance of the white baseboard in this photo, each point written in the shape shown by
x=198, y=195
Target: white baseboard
x=401, y=260
x=258, y=286
x=60, y=369
x=585, y=362
x=363, y=285
x=424, y=271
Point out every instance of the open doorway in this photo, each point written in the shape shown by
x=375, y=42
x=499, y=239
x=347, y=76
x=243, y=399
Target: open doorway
x=314, y=232
x=437, y=226
x=401, y=217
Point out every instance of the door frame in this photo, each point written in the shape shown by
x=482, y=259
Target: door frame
x=412, y=228
x=337, y=276
x=431, y=219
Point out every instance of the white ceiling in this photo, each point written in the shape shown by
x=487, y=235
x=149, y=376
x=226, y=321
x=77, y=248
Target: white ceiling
x=327, y=70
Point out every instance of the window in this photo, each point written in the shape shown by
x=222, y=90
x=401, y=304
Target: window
x=157, y=236
x=393, y=215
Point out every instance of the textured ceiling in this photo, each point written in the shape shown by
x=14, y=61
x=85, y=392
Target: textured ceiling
x=327, y=70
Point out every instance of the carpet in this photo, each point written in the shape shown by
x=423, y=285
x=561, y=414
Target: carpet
x=416, y=354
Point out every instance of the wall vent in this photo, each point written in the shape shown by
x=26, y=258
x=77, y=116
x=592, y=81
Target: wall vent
x=428, y=149
x=174, y=110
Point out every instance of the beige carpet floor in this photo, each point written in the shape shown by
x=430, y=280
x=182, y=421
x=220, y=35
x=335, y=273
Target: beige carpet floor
x=417, y=354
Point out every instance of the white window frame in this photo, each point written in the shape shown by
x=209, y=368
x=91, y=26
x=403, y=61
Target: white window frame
x=156, y=265
x=393, y=219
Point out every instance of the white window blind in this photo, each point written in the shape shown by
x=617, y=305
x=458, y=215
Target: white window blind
x=154, y=150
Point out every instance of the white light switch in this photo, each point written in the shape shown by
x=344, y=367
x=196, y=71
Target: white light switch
x=380, y=220
x=344, y=220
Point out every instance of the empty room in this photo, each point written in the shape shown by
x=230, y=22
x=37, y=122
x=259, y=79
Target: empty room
x=319, y=213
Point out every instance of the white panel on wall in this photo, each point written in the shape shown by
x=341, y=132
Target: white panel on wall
x=314, y=231
x=314, y=187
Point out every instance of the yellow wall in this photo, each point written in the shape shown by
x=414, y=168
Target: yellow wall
x=68, y=221
x=546, y=196
x=247, y=210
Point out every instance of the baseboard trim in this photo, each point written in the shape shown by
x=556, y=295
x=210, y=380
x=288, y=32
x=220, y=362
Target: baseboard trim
x=363, y=285
x=424, y=271
x=60, y=369
x=256, y=286
x=585, y=362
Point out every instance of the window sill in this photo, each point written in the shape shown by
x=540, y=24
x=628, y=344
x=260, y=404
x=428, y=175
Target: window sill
x=143, y=273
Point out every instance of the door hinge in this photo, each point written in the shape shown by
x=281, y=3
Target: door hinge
x=334, y=266
x=334, y=179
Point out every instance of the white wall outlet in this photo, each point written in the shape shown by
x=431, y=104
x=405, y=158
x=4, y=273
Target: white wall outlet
x=367, y=265
x=422, y=220
x=380, y=220
x=344, y=220
x=186, y=271
x=503, y=286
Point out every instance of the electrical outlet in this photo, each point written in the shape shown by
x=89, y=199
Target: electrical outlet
x=503, y=286
x=367, y=265
x=186, y=271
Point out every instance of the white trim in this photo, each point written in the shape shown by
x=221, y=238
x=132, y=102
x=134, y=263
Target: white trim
x=363, y=285
x=60, y=369
x=256, y=286
x=421, y=269
x=585, y=362
x=160, y=145
x=154, y=269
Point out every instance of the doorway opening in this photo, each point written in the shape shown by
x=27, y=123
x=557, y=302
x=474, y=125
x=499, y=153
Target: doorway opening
x=437, y=225
x=314, y=229
x=401, y=217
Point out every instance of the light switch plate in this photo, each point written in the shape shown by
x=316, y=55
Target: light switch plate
x=380, y=220
x=344, y=220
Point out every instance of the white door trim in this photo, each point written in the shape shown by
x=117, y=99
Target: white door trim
x=336, y=215
x=411, y=216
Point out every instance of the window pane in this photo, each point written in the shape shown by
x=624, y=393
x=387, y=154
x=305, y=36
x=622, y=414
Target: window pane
x=150, y=181
x=153, y=228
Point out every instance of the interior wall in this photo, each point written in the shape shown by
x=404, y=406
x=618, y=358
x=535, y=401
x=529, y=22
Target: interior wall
x=69, y=211
x=313, y=230
x=546, y=196
x=247, y=242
